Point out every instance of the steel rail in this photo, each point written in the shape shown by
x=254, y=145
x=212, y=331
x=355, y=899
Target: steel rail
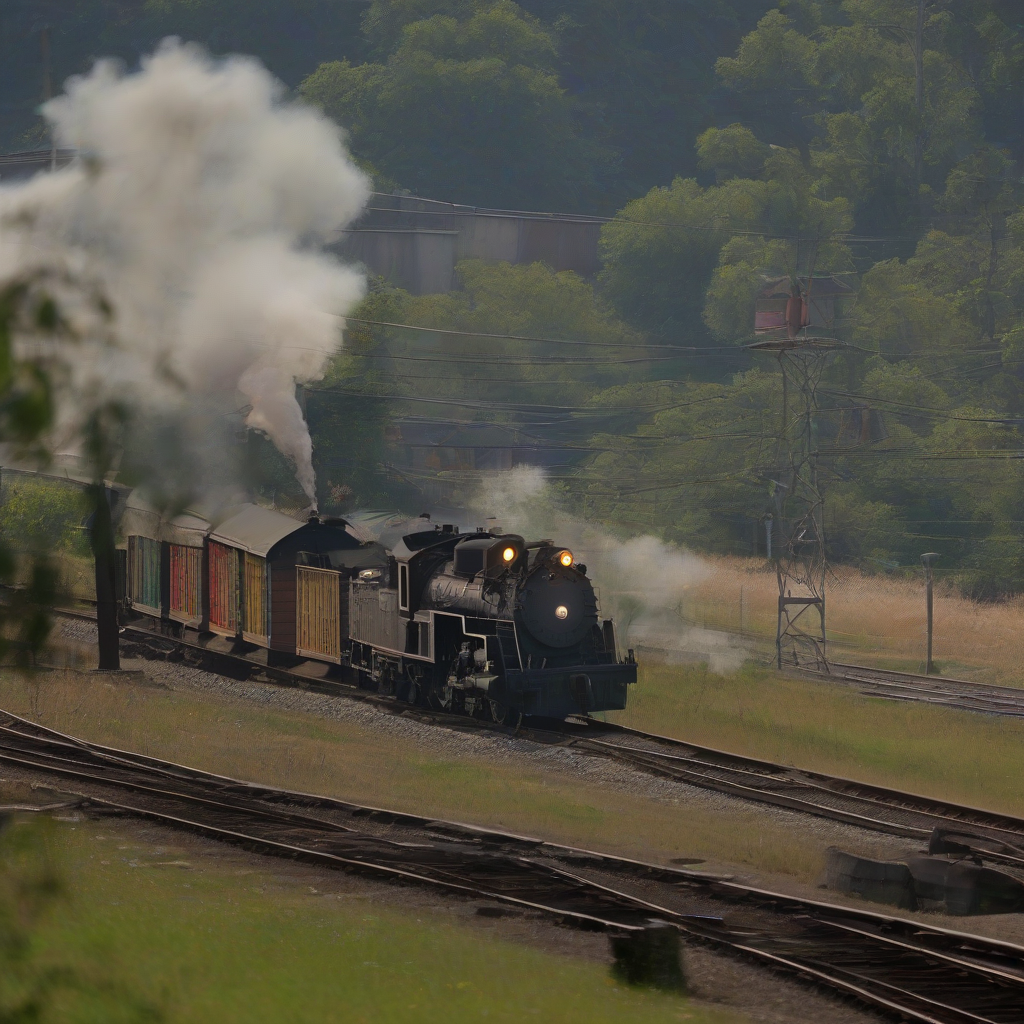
x=738, y=770
x=988, y=987
x=742, y=766
x=940, y=691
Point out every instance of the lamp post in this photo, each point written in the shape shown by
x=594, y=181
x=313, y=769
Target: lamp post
x=926, y=560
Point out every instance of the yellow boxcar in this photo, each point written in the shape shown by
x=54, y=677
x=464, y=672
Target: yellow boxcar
x=318, y=613
x=256, y=627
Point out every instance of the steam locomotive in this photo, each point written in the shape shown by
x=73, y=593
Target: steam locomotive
x=483, y=623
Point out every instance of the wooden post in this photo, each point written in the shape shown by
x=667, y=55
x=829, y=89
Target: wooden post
x=929, y=667
x=101, y=538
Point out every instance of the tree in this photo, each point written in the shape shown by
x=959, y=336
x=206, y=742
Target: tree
x=687, y=258
x=467, y=107
x=874, y=90
x=32, y=333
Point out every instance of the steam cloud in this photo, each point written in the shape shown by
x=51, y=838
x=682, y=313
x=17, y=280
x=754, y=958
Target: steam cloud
x=642, y=580
x=200, y=207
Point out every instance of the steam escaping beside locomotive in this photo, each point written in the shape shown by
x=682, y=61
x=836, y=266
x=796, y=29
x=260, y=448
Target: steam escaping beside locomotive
x=485, y=624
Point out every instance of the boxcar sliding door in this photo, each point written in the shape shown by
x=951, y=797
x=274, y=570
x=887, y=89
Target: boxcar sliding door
x=257, y=601
x=224, y=590
x=318, y=613
x=186, y=584
x=144, y=574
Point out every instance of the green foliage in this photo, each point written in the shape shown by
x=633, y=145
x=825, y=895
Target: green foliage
x=449, y=81
x=692, y=469
x=733, y=152
x=660, y=251
x=772, y=59
x=852, y=80
x=42, y=515
x=500, y=309
x=674, y=263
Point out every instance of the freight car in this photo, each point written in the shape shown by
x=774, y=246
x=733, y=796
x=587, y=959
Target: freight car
x=482, y=623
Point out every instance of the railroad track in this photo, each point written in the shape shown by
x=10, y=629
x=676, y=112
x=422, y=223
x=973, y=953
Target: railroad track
x=941, y=691
x=901, y=967
x=990, y=835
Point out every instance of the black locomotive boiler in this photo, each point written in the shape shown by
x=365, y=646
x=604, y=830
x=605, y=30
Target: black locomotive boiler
x=485, y=624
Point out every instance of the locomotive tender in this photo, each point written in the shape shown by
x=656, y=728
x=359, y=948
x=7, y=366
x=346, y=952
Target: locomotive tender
x=479, y=623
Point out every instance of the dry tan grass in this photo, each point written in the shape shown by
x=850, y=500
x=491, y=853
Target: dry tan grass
x=356, y=763
x=878, y=619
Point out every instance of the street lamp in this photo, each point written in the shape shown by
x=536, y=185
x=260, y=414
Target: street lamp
x=926, y=560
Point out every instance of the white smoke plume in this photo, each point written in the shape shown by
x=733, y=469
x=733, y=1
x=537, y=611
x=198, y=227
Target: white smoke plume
x=200, y=206
x=642, y=580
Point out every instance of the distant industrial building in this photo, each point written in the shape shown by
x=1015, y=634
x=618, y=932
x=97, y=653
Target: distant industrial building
x=415, y=243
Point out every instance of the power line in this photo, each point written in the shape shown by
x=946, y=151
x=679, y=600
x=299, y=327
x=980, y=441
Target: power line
x=936, y=413
x=540, y=341
x=460, y=210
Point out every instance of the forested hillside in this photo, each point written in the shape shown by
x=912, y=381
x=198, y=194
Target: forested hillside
x=872, y=147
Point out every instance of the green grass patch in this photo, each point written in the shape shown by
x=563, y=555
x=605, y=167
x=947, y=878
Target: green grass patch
x=956, y=755
x=424, y=776
x=214, y=943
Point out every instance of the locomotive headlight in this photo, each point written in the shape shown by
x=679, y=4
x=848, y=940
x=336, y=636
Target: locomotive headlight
x=566, y=559
x=508, y=555
x=562, y=612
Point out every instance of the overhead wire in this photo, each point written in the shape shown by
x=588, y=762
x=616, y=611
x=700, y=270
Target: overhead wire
x=930, y=410
x=489, y=336
x=459, y=210
x=591, y=411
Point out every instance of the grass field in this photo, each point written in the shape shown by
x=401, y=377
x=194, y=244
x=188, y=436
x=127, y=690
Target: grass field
x=956, y=755
x=142, y=936
x=353, y=762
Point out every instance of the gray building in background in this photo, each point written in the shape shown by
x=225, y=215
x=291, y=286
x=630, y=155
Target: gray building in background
x=415, y=243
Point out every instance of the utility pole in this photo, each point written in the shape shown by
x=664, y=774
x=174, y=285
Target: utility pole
x=800, y=563
x=927, y=559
